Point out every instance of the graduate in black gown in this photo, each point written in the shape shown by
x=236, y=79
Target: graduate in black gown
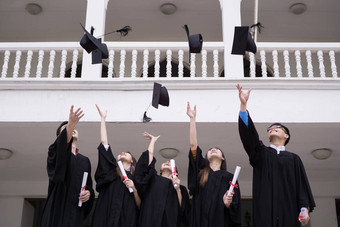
x=161, y=202
x=280, y=183
x=116, y=205
x=208, y=183
x=65, y=168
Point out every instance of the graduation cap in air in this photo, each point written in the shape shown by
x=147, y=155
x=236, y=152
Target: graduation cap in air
x=195, y=41
x=160, y=96
x=243, y=41
x=95, y=46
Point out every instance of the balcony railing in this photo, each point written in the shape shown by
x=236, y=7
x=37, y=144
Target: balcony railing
x=32, y=61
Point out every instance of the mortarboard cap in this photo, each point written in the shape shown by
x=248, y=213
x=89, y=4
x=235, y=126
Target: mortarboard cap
x=195, y=41
x=243, y=41
x=91, y=44
x=160, y=95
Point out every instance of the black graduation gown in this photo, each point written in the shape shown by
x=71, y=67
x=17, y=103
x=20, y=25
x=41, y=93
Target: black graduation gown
x=65, y=172
x=208, y=208
x=280, y=184
x=160, y=207
x=116, y=206
x=184, y=209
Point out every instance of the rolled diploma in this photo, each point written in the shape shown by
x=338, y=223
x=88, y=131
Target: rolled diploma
x=237, y=172
x=83, y=185
x=173, y=171
x=122, y=170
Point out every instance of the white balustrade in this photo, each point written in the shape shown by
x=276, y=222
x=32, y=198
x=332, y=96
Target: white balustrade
x=63, y=63
x=5, y=65
x=17, y=64
x=287, y=65
x=145, y=63
x=204, y=64
x=51, y=64
x=252, y=66
x=263, y=63
x=168, y=63
x=298, y=63
x=157, y=59
x=309, y=64
x=122, y=63
x=215, y=58
x=74, y=64
x=111, y=65
x=333, y=65
x=180, y=63
x=40, y=63
x=321, y=65
x=28, y=64
x=276, y=63
x=134, y=64
x=192, y=65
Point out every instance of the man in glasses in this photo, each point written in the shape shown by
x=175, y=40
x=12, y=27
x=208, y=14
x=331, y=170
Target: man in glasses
x=280, y=183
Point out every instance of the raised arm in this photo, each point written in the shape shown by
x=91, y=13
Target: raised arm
x=73, y=120
x=244, y=96
x=193, y=132
x=151, y=147
x=103, y=132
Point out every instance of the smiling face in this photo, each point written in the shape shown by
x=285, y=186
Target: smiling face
x=124, y=156
x=214, y=153
x=166, y=166
x=277, y=131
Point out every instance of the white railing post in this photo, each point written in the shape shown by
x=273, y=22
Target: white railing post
x=63, y=64
x=333, y=65
x=252, y=66
x=51, y=64
x=110, y=67
x=134, y=64
x=74, y=63
x=192, y=65
x=95, y=16
x=309, y=64
x=276, y=64
x=122, y=63
x=40, y=65
x=298, y=63
x=145, y=63
x=287, y=66
x=17, y=64
x=215, y=58
x=157, y=59
x=321, y=65
x=231, y=17
x=28, y=63
x=204, y=63
x=180, y=63
x=263, y=63
x=168, y=63
x=5, y=65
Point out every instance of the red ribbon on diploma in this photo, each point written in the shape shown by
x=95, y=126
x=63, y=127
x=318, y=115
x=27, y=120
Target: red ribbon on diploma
x=235, y=185
x=83, y=188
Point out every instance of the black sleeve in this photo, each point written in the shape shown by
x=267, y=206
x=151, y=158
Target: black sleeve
x=144, y=172
x=185, y=207
x=106, y=170
x=58, y=158
x=194, y=167
x=89, y=186
x=250, y=140
x=305, y=196
x=235, y=207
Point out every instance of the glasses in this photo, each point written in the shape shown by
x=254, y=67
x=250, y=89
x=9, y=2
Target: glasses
x=275, y=127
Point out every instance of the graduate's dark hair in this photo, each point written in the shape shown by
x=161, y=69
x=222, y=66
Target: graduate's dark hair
x=133, y=166
x=286, y=130
x=60, y=126
x=204, y=173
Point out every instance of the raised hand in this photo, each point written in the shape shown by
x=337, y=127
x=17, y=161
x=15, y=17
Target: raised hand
x=244, y=96
x=101, y=113
x=150, y=137
x=74, y=117
x=191, y=112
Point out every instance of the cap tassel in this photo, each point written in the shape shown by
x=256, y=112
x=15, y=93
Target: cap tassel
x=258, y=25
x=124, y=31
x=146, y=118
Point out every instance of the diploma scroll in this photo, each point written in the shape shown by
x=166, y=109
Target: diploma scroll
x=173, y=171
x=233, y=183
x=83, y=186
x=122, y=170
